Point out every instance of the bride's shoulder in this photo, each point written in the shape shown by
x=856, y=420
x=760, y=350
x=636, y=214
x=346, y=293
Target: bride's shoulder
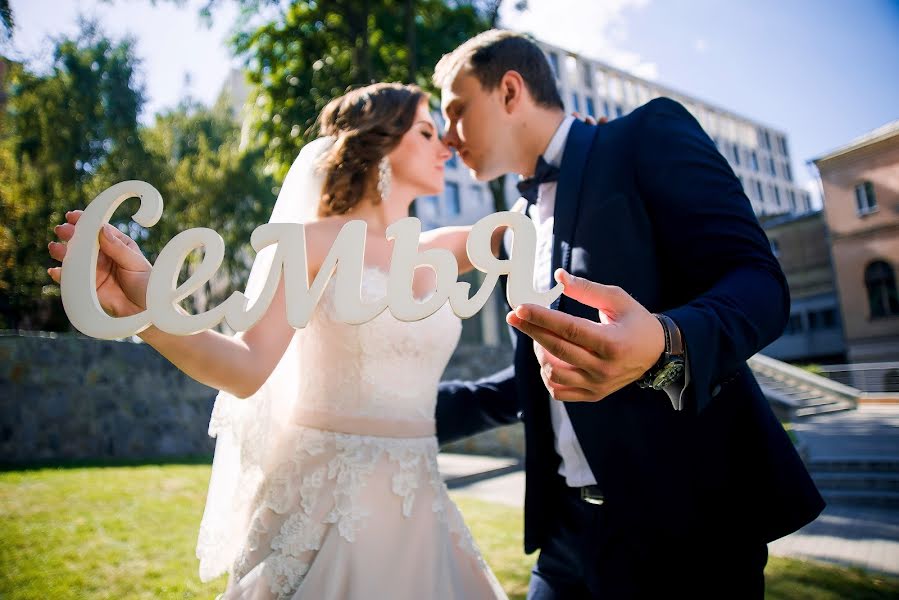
x=325, y=225
x=320, y=235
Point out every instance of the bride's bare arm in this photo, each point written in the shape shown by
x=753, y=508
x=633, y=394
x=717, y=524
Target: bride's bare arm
x=237, y=364
x=241, y=363
x=454, y=239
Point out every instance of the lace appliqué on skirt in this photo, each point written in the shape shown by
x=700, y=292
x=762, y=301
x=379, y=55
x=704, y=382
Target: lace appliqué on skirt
x=323, y=485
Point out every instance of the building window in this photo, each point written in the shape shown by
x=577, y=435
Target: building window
x=822, y=319
x=777, y=195
x=792, y=195
x=794, y=325
x=771, y=167
x=788, y=171
x=865, y=201
x=783, y=145
x=477, y=192
x=428, y=207
x=605, y=109
x=576, y=102
x=754, y=160
x=736, y=155
x=618, y=110
x=759, y=191
x=587, y=71
x=554, y=62
x=883, y=299
x=591, y=109
x=451, y=195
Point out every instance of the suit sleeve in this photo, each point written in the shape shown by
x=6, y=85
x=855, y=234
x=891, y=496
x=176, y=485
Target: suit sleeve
x=734, y=298
x=465, y=408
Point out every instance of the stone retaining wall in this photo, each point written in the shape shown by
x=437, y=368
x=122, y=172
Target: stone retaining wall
x=67, y=397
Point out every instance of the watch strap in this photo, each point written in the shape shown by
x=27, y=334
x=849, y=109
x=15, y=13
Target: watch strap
x=674, y=341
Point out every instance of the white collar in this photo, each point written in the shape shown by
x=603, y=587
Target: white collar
x=556, y=146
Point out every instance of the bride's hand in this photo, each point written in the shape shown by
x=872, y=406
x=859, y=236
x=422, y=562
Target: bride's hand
x=122, y=270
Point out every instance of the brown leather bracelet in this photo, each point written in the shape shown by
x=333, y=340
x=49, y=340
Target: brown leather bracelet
x=674, y=341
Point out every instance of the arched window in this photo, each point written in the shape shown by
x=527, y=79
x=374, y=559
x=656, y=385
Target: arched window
x=883, y=299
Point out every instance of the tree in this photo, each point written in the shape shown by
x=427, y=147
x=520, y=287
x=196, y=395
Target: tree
x=71, y=133
x=7, y=23
x=315, y=51
x=66, y=134
x=206, y=180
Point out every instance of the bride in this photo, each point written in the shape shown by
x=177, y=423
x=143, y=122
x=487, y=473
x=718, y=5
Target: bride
x=324, y=483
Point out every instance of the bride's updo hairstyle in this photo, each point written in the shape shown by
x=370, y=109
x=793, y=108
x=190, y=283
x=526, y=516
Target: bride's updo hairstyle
x=368, y=124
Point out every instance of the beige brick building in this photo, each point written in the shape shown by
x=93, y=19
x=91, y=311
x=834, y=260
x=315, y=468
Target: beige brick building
x=861, y=203
x=801, y=244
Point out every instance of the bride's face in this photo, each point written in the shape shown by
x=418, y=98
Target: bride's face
x=418, y=162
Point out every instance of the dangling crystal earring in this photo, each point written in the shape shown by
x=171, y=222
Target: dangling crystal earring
x=384, y=175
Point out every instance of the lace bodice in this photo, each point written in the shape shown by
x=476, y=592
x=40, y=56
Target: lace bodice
x=384, y=368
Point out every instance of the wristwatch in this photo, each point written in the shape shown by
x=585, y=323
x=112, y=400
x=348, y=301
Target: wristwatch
x=670, y=366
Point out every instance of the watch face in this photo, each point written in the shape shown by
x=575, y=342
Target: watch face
x=669, y=373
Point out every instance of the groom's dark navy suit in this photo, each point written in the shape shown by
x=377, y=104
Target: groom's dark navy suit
x=647, y=203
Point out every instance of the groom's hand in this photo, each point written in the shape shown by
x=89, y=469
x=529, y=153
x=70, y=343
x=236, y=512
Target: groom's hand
x=585, y=361
x=589, y=120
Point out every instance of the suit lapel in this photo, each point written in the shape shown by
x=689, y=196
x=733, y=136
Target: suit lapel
x=571, y=174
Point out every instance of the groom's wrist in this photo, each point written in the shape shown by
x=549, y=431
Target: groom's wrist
x=670, y=366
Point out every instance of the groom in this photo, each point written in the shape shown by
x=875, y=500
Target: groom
x=655, y=467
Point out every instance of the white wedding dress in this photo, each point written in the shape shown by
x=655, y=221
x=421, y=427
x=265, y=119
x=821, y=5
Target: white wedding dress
x=349, y=503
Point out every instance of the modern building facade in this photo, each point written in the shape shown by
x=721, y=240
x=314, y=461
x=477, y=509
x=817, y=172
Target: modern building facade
x=758, y=154
x=860, y=182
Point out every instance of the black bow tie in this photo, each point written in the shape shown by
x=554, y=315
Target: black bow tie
x=544, y=173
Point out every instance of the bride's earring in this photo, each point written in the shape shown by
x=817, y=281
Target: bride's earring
x=384, y=175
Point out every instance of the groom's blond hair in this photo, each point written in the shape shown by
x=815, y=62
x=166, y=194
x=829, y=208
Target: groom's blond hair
x=490, y=55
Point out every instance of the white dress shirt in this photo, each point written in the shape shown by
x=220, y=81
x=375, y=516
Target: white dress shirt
x=574, y=467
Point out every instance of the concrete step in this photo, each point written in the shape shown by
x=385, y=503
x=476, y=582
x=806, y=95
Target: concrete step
x=832, y=407
x=859, y=464
x=804, y=397
x=877, y=499
x=459, y=470
x=870, y=481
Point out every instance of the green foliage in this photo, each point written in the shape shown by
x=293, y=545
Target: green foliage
x=73, y=132
x=7, y=23
x=66, y=134
x=70, y=132
x=206, y=180
x=319, y=50
x=814, y=369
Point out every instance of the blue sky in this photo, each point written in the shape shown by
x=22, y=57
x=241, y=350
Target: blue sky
x=823, y=71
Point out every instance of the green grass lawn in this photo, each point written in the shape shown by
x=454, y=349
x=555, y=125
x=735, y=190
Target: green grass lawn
x=129, y=532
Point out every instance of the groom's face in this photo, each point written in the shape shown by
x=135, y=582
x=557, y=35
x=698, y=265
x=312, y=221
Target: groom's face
x=476, y=126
